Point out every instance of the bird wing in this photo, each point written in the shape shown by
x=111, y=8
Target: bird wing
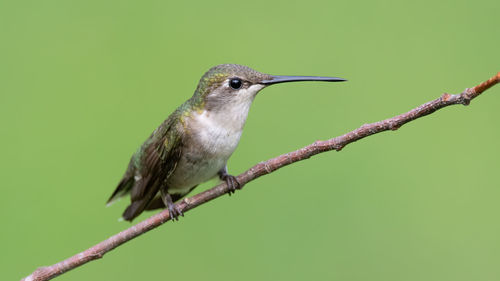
x=149, y=167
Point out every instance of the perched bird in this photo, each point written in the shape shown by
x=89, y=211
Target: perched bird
x=195, y=142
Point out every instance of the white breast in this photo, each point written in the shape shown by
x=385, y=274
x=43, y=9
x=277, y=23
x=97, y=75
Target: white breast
x=218, y=133
x=214, y=139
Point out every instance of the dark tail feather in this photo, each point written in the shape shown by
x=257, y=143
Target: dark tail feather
x=123, y=188
x=133, y=210
x=139, y=204
x=125, y=184
x=137, y=207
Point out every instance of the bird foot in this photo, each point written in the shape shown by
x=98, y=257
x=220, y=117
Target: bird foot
x=174, y=212
x=232, y=183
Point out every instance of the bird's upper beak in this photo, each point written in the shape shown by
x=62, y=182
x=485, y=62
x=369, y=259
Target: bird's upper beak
x=275, y=79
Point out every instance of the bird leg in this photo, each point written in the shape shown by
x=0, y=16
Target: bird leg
x=173, y=210
x=231, y=181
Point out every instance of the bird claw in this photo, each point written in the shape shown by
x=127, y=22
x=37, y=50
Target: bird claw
x=232, y=183
x=174, y=212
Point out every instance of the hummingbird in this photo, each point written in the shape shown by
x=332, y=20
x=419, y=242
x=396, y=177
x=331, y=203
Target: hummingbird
x=195, y=142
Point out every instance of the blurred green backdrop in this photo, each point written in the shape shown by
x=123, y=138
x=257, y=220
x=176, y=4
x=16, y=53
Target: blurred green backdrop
x=83, y=83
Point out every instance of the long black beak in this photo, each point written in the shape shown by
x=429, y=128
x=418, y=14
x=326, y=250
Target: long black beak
x=282, y=79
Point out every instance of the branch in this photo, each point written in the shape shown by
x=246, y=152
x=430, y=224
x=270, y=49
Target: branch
x=263, y=168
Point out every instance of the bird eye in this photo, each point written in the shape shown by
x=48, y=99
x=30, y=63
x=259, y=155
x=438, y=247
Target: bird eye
x=235, y=83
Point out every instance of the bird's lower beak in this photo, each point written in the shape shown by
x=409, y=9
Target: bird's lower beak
x=283, y=79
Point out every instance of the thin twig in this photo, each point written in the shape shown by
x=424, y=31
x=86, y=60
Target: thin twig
x=263, y=168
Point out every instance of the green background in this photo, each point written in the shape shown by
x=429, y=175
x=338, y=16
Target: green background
x=83, y=83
